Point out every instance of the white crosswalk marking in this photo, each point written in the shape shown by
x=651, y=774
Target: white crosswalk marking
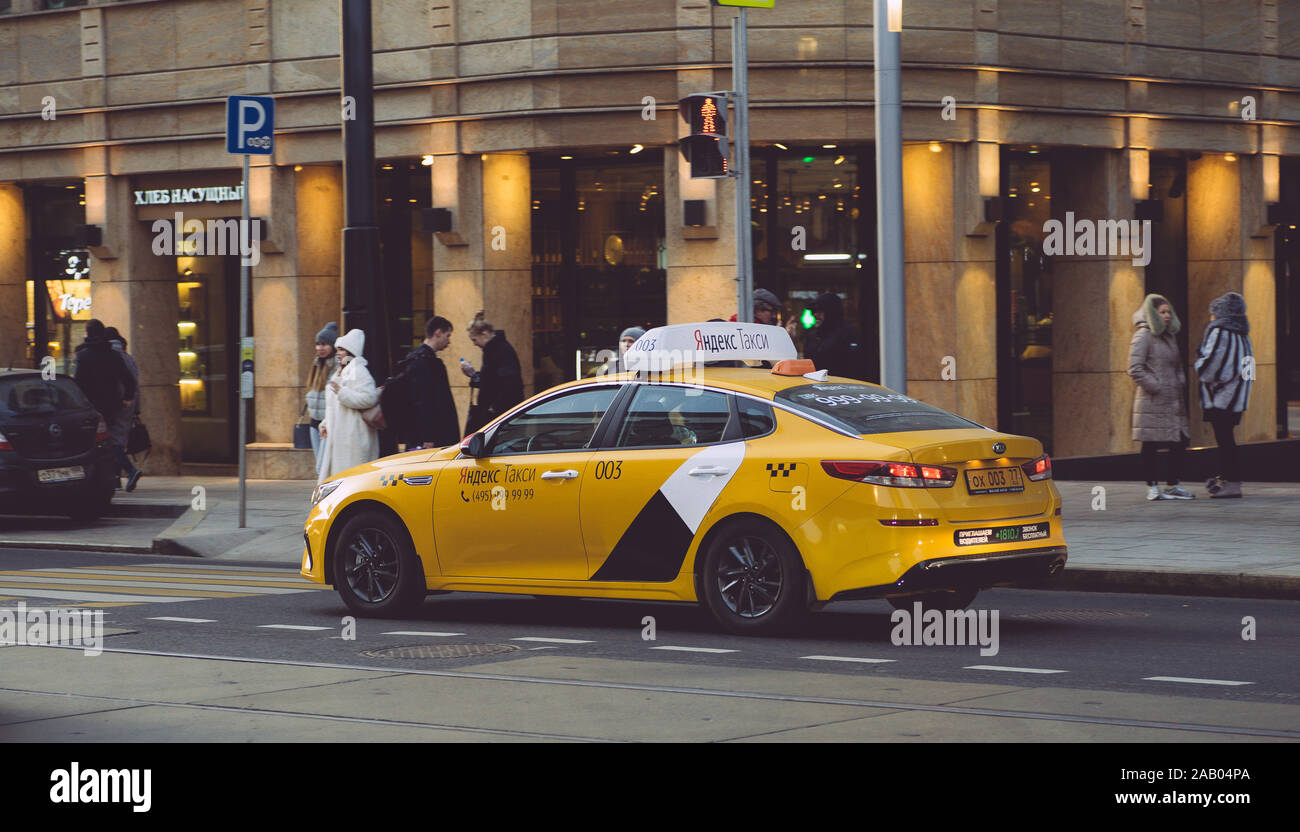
x=154, y=583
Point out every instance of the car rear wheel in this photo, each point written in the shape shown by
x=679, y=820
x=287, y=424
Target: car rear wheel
x=752, y=579
x=376, y=571
x=954, y=599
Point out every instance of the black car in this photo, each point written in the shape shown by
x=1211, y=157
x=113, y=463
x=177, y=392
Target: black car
x=55, y=453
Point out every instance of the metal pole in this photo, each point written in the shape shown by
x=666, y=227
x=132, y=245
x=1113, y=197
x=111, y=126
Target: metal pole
x=243, y=339
x=889, y=202
x=740, y=157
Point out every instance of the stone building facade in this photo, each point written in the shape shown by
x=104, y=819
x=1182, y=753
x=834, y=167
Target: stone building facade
x=549, y=129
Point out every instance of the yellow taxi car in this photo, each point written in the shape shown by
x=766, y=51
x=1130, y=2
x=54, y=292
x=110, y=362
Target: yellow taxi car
x=759, y=491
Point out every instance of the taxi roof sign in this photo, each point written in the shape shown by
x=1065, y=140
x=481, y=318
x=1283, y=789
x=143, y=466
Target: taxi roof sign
x=668, y=346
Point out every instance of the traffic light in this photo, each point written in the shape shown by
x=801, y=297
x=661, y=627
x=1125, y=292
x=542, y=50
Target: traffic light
x=706, y=146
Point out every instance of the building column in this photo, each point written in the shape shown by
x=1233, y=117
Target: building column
x=1225, y=213
x=135, y=291
x=701, y=260
x=1093, y=300
x=296, y=290
x=950, y=275
x=13, y=277
x=485, y=262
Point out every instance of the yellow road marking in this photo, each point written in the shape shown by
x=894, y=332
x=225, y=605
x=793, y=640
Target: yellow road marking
x=216, y=570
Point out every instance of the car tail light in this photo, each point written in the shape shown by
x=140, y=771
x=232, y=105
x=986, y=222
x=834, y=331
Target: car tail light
x=895, y=474
x=4, y=443
x=1039, y=469
x=101, y=431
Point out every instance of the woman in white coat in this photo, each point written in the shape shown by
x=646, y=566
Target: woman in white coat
x=351, y=390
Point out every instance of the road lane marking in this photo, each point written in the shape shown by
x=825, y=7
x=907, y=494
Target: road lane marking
x=183, y=620
x=554, y=640
x=291, y=627
x=70, y=593
x=1011, y=669
x=847, y=659
x=418, y=633
x=1193, y=681
x=111, y=583
x=164, y=575
x=696, y=649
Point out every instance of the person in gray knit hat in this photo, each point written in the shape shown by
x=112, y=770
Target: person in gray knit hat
x=321, y=369
x=618, y=364
x=1226, y=370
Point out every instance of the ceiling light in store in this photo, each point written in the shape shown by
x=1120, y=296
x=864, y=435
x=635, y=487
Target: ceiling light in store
x=1230, y=157
x=783, y=147
x=828, y=257
x=935, y=147
x=829, y=146
x=839, y=160
x=426, y=159
x=637, y=148
x=566, y=157
x=387, y=167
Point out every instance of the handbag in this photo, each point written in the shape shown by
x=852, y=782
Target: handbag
x=137, y=441
x=374, y=415
x=302, y=433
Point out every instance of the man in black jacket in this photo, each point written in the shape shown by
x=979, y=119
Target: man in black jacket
x=834, y=345
x=102, y=374
x=500, y=382
x=434, y=421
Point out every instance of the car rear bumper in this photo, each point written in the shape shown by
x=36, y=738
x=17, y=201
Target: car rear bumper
x=962, y=571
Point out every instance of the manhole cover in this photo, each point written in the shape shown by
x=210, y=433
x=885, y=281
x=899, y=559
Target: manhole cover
x=1075, y=615
x=441, y=651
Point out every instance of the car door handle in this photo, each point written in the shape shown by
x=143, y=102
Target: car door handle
x=709, y=471
x=560, y=475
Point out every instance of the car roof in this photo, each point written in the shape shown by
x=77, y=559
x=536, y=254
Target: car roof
x=756, y=381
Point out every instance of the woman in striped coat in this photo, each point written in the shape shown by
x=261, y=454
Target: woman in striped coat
x=1226, y=368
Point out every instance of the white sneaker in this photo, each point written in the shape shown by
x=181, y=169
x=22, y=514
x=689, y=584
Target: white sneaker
x=1153, y=493
x=1177, y=492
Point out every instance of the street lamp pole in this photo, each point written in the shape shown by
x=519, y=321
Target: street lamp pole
x=889, y=194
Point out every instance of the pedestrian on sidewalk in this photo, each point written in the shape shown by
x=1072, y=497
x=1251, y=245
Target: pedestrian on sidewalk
x=423, y=410
x=500, y=381
x=618, y=363
x=1160, y=403
x=322, y=368
x=102, y=373
x=350, y=441
x=119, y=430
x=1226, y=370
x=834, y=344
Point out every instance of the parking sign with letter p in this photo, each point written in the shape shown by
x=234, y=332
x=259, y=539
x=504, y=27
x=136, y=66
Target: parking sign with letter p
x=250, y=124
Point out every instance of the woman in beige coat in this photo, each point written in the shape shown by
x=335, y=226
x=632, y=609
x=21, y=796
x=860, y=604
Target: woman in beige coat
x=1160, y=405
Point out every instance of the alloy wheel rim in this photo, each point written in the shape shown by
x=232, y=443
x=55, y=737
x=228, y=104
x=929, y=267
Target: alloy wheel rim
x=749, y=577
x=372, y=566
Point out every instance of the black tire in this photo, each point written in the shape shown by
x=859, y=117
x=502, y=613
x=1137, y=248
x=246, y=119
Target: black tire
x=952, y=599
x=91, y=504
x=752, y=579
x=376, y=571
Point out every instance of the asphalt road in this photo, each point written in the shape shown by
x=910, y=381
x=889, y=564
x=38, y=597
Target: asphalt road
x=1162, y=645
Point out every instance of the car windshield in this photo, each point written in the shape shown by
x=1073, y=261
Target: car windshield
x=863, y=409
x=34, y=396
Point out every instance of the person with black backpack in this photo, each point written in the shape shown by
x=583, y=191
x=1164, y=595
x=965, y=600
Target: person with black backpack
x=416, y=401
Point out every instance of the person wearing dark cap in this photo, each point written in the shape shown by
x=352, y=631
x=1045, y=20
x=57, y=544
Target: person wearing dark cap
x=1225, y=369
x=625, y=341
x=833, y=344
x=322, y=368
x=119, y=430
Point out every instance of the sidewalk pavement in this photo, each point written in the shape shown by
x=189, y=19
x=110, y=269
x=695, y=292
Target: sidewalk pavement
x=1118, y=541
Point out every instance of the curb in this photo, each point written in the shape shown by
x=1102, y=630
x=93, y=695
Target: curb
x=79, y=546
x=1174, y=582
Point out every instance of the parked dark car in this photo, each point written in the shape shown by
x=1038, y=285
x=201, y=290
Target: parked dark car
x=55, y=454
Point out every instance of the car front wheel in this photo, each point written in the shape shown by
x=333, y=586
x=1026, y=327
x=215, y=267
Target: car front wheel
x=752, y=579
x=376, y=571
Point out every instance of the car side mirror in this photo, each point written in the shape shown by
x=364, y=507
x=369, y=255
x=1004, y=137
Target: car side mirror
x=473, y=445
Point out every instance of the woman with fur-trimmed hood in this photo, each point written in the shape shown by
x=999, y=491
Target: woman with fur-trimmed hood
x=1226, y=368
x=1160, y=404
x=350, y=441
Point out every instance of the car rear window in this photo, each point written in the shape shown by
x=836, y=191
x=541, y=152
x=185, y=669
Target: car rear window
x=862, y=409
x=33, y=395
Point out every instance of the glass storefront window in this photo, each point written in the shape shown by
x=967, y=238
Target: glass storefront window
x=598, y=257
x=207, y=325
x=58, y=285
x=1025, y=366
x=813, y=210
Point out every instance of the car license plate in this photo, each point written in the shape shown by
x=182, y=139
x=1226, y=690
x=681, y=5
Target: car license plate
x=992, y=535
x=76, y=472
x=995, y=480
